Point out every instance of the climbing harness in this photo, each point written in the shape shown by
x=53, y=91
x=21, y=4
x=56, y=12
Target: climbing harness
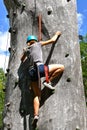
x=46, y=73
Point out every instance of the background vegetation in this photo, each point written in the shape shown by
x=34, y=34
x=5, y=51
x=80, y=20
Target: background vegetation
x=2, y=94
x=83, y=50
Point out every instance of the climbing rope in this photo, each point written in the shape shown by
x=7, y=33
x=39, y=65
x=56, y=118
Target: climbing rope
x=39, y=22
x=39, y=27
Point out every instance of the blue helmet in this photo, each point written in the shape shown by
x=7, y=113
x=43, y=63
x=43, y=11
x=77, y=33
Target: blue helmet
x=31, y=37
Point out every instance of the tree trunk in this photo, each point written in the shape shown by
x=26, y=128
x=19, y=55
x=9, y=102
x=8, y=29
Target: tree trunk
x=64, y=109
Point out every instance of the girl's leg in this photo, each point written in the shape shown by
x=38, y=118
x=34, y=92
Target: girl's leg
x=55, y=70
x=37, y=95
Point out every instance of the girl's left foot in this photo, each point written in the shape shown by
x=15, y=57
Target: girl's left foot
x=48, y=85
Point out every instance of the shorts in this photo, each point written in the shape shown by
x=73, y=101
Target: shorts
x=33, y=73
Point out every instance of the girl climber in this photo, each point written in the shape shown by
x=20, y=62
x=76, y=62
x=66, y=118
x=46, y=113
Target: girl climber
x=54, y=70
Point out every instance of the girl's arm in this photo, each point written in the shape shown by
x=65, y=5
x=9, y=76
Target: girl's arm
x=52, y=40
x=23, y=57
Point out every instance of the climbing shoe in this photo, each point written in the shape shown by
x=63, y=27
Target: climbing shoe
x=48, y=85
x=35, y=120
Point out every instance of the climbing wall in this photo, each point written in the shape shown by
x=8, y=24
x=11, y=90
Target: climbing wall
x=63, y=109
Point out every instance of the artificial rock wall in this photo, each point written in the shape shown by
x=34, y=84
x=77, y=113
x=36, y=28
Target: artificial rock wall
x=64, y=109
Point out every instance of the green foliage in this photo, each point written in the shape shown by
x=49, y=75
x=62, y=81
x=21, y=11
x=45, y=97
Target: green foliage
x=83, y=51
x=2, y=94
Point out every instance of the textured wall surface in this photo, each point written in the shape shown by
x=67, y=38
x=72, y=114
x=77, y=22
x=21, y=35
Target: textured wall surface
x=65, y=108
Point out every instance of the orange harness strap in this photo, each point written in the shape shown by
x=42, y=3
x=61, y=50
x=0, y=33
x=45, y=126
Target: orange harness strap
x=46, y=73
x=39, y=27
x=39, y=39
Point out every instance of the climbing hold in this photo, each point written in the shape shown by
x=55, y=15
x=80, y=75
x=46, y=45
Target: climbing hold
x=13, y=50
x=22, y=112
x=8, y=70
x=14, y=31
x=8, y=104
x=50, y=120
x=9, y=49
x=68, y=79
x=68, y=0
x=80, y=37
x=4, y=89
x=9, y=125
x=7, y=16
x=66, y=55
x=16, y=81
x=23, y=5
x=77, y=128
x=14, y=13
x=10, y=29
x=49, y=10
x=5, y=74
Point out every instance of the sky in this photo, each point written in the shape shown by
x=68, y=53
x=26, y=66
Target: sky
x=5, y=35
x=82, y=16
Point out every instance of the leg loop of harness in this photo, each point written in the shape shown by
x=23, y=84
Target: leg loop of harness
x=46, y=73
